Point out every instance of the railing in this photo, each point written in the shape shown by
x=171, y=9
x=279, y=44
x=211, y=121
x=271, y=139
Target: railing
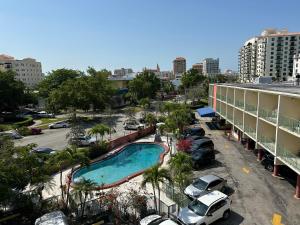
x=230, y=117
x=230, y=100
x=290, y=123
x=210, y=102
x=210, y=91
x=218, y=108
x=223, y=111
x=239, y=123
x=250, y=131
x=288, y=157
x=251, y=108
x=218, y=96
x=268, y=115
x=267, y=142
x=223, y=98
x=174, y=194
x=239, y=103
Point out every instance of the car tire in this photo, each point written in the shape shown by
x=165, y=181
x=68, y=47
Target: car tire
x=226, y=215
x=51, y=127
x=269, y=167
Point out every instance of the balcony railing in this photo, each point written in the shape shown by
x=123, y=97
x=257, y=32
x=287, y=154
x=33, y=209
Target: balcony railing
x=230, y=100
x=289, y=157
x=223, y=98
x=251, y=108
x=239, y=104
x=239, y=123
x=289, y=123
x=250, y=131
x=230, y=117
x=218, y=108
x=223, y=111
x=267, y=142
x=268, y=115
x=218, y=96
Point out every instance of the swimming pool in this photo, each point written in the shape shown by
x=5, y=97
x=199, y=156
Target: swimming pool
x=128, y=162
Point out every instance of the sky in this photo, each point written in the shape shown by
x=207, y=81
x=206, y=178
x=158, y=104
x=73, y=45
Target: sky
x=135, y=34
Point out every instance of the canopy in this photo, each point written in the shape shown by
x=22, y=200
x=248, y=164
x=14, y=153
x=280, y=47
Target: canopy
x=206, y=112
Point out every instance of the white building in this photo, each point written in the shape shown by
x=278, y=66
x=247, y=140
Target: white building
x=296, y=66
x=211, y=66
x=122, y=72
x=270, y=54
x=28, y=70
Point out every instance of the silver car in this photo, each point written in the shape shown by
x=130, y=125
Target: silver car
x=205, y=184
x=61, y=124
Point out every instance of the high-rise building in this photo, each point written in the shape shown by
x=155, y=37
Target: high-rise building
x=198, y=67
x=211, y=66
x=296, y=66
x=28, y=70
x=179, y=66
x=270, y=54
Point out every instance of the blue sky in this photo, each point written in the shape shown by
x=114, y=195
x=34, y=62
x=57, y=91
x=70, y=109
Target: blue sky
x=136, y=33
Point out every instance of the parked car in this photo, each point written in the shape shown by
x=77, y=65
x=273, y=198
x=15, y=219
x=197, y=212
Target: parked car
x=199, y=131
x=44, y=150
x=202, y=143
x=56, y=217
x=196, y=137
x=11, y=134
x=61, y=124
x=205, y=184
x=83, y=141
x=44, y=114
x=206, y=209
x=202, y=156
x=133, y=125
x=35, y=130
x=157, y=220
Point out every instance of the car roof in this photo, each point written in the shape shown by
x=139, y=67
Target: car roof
x=212, y=197
x=209, y=178
x=42, y=149
x=202, y=140
x=149, y=219
x=168, y=222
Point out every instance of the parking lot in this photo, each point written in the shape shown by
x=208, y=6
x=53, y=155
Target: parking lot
x=256, y=195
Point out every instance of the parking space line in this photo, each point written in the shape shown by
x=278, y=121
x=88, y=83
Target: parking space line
x=276, y=219
x=246, y=170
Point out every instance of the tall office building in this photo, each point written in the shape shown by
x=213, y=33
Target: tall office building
x=270, y=54
x=179, y=66
x=211, y=66
x=198, y=67
x=28, y=70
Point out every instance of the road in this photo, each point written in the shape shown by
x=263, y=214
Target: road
x=255, y=193
x=56, y=138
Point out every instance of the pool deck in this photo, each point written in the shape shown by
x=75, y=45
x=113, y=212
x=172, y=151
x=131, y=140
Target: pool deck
x=133, y=183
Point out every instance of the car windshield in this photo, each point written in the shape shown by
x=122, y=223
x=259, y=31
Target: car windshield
x=200, y=184
x=157, y=221
x=198, y=207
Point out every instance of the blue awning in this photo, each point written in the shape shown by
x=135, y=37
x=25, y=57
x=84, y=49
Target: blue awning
x=206, y=112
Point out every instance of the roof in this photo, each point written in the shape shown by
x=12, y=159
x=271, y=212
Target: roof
x=209, y=178
x=206, y=112
x=211, y=197
x=56, y=217
x=283, y=88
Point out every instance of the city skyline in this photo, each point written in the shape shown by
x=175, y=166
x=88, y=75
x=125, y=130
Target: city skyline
x=116, y=34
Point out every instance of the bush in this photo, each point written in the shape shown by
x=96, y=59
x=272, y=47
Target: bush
x=27, y=122
x=183, y=145
x=162, y=119
x=24, y=131
x=98, y=149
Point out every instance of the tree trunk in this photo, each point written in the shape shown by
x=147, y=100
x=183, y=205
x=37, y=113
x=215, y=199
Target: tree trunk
x=61, y=186
x=158, y=189
x=83, y=205
x=68, y=190
x=155, y=202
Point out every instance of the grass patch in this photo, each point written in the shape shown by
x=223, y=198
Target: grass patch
x=5, y=127
x=47, y=121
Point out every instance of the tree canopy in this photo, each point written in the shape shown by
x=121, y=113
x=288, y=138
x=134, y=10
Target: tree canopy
x=191, y=78
x=144, y=85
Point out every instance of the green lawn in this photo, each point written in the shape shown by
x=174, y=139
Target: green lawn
x=47, y=121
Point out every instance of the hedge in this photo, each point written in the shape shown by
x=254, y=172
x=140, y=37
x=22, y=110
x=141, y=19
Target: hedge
x=27, y=122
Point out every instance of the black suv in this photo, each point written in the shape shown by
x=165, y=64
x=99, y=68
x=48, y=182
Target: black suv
x=202, y=156
x=202, y=143
x=195, y=131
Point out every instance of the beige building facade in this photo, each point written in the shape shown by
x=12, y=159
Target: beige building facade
x=179, y=66
x=28, y=70
x=268, y=116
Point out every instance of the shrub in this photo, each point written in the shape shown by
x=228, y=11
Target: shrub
x=183, y=145
x=24, y=131
x=98, y=149
x=27, y=122
x=162, y=119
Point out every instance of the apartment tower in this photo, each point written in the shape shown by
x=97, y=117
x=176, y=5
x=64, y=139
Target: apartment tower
x=179, y=66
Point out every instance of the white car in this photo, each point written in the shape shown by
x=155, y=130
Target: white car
x=157, y=220
x=11, y=134
x=44, y=114
x=206, y=209
x=83, y=141
x=61, y=124
x=133, y=125
x=205, y=184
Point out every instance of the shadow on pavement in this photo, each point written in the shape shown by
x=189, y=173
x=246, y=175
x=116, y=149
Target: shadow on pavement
x=234, y=219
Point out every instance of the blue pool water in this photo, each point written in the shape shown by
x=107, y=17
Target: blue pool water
x=132, y=159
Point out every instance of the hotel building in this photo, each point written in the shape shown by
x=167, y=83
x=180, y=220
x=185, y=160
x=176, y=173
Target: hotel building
x=267, y=116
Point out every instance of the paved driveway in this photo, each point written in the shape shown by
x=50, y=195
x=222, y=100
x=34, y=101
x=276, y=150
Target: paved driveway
x=256, y=194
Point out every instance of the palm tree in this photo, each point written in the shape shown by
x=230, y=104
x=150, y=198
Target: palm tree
x=181, y=167
x=82, y=190
x=145, y=104
x=154, y=176
x=150, y=119
x=100, y=129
